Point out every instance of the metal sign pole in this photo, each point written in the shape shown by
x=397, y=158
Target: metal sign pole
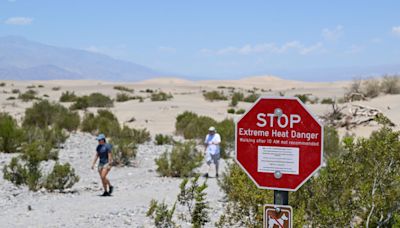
x=281, y=197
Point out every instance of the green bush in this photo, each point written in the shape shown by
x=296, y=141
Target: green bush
x=193, y=200
x=231, y=111
x=240, y=111
x=55, y=136
x=180, y=162
x=11, y=98
x=56, y=88
x=331, y=142
x=103, y=122
x=236, y=97
x=123, y=88
x=97, y=100
x=193, y=197
x=25, y=169
x=28, y=95
x=390, y=84
x=122, y=97
x=61, y=178
x=161, y=96
x=161, y=215
x=81, y=103
x=163, y=139
x=251, y=98
x=43, y=114
x=68, y=97
x=15, y=172
x=124, y=151
x=31, y=87
x=215, y=96
x=360, y=182
x=2, y=84
x=192, y=126
x=327, y=101
x=10, y=134
x=303, y=97
x=15, y=91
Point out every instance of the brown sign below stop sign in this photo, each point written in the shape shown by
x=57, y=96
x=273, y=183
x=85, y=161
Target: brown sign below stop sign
x=278, y=216
x=279, y=143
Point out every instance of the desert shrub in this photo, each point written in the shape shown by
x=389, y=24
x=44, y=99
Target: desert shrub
x=2, y=84
x=56, y=88
x=240, y=111
x=163, y=139
x=15, y=91
x=231, y=111
x=358, y=187
x=193, y=198
x=123, y=88
x=80, y=103
x=124, y=151
x=11, y=98
x=327, y=101
x=236, y=97
x=41, y=86
x=31, y=87
x=122, y=97
x=251, y=98
x=303, y=97
x=68, y=96
x=61, y=177
x=10, y=134
x=161, y=215
x=390, y=84
x=214, y=96
x=331, y=142
x=25, y=169
x=370, y=88
x=161, y=96
x=15, y=172
x=192, y=126
x=55, y=135
x=180, y=162
x=99, y=100
x=104, y=122
x=43, y=114
x=28, y=95
x=245, y=201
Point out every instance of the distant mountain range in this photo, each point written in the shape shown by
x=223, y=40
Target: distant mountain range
x=22, y=59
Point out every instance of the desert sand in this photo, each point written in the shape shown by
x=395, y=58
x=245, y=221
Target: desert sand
x=136, y=186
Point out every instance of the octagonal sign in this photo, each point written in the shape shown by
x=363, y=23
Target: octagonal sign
x=279, y=143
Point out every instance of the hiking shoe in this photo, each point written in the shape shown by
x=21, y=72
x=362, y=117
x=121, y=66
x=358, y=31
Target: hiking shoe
x=106, y=194
x=111, y=189
x=205, y=175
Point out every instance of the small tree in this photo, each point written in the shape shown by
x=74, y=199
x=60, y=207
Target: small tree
x=193, y=198
x=180, y=162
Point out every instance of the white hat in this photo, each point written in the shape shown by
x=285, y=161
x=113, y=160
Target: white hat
x=211, y=129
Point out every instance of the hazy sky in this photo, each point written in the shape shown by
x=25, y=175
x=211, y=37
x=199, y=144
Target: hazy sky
x=216, y=38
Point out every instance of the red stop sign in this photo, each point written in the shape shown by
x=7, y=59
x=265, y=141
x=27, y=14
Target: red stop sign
x=279, y=143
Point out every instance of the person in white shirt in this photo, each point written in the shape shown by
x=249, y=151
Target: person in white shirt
x=212, y=141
